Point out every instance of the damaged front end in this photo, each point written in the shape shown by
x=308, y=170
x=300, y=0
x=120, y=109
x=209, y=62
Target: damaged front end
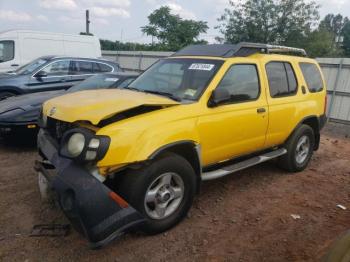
x=94, y=210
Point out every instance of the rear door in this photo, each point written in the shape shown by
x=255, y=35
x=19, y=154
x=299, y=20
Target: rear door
x=284, y=94
x=56, y=77
x=81, y=69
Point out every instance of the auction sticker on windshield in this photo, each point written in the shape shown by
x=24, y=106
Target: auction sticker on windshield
x=205, y=67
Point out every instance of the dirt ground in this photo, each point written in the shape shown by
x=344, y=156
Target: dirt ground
x=243, y=217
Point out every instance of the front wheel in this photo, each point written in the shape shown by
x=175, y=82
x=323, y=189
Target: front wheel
x=163, y=191
x=300, y=147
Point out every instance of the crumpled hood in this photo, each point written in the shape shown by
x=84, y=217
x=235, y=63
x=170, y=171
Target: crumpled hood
x=96, y=105
x=28, y=100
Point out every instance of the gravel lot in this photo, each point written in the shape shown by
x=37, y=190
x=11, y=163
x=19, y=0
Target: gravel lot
x=242, y=217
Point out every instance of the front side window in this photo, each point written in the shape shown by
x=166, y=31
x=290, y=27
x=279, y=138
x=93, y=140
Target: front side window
x=241, y=82
x=31, y=67
x=59, y=68
x=7, y=51
x=312, y=77
x=178, y=78
x=282, y=80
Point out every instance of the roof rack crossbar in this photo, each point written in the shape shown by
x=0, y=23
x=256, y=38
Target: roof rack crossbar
x=266, y=48
x=242, y=49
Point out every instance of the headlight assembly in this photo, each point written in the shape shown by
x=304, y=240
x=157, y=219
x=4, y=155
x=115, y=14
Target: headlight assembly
x=76, y=144
x=83, y=145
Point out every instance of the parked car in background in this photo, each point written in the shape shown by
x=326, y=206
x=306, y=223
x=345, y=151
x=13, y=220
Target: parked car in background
x=52, y=73
x=19, y=113
x=19, y=47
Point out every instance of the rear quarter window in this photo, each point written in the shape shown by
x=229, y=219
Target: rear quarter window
x=312, y=76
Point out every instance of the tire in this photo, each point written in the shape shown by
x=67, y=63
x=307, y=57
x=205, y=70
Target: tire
x=5, y=94
x=300, y=147
x=134, y=185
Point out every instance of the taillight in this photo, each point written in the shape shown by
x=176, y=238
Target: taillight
x=325, y=105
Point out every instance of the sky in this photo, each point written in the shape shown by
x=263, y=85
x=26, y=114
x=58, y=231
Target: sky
x=119, y=19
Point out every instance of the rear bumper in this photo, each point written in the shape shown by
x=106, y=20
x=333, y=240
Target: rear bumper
x=86, y=201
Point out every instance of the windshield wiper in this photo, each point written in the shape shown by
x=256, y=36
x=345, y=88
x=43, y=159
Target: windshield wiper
x=169, y=95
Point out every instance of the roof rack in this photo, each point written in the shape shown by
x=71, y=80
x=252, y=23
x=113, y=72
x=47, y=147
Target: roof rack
x=242, y=49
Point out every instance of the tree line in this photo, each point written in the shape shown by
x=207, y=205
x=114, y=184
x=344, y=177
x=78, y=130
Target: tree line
x=283, y=22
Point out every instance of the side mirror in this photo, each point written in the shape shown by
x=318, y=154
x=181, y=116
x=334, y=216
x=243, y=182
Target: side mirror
x=41, y=74
x=219, y=96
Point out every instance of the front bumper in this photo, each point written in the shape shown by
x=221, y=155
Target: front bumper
x=6, y=127
x=85, y=201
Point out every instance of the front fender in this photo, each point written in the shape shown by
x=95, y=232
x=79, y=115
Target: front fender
x=130, y=146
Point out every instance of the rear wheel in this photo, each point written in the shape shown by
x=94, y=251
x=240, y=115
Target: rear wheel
x=5, y=94
x=163, y=191
x=300, y=147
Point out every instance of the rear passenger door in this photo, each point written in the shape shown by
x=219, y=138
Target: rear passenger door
x=284, y=96
x=80, y=70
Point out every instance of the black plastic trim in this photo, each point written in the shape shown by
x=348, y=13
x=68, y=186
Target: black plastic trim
x=167, y=146
x=85, y=200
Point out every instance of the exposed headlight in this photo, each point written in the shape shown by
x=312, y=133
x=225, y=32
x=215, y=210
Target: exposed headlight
x=83, y=145
x=76, y=144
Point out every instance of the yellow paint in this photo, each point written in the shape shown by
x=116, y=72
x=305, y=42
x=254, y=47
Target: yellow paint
x=223, y=132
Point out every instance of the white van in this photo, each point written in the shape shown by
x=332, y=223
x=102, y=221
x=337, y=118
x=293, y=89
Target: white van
x=18, y=47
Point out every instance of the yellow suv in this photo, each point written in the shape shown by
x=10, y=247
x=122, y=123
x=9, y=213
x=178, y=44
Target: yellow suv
x=136, y=156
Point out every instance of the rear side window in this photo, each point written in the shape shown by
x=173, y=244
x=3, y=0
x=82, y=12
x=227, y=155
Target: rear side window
x=282, y=80
x=83, y=67
x=312, y=77
x=242, y=82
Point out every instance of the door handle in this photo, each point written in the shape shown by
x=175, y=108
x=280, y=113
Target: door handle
x=303, y=89
x=15, y=65
x=261, y=110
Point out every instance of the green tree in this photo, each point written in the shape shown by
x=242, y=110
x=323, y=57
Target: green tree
x=172, y=31
x=319, y=43
x=268, y=21
x=346, y=39
x=334, y=24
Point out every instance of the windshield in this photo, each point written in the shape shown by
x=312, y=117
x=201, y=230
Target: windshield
x=178, y=78
x=31, y=67
x=7, y=50
x=96, y=82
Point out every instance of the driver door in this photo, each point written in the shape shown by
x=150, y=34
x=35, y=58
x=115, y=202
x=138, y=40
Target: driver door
x=56, y=77
x=238, y=126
